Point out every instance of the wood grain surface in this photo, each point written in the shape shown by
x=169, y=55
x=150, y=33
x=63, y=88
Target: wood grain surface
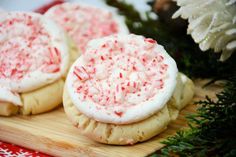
x=52, y=133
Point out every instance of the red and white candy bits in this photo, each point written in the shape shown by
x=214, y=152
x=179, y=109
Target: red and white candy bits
x=33, y=51
x=122, y=79
x=83, y=22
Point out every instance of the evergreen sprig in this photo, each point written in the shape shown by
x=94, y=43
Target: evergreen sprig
x=212, y=129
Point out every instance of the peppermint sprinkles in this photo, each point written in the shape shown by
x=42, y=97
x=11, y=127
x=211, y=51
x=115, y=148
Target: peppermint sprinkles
x=130, y=74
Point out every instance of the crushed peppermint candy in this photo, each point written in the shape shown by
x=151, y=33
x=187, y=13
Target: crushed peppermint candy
x=24, y=47
x=119, y=73
x=33, y=53
x=84, y=23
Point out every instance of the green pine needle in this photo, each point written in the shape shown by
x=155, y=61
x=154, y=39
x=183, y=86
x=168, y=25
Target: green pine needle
x=214, y=133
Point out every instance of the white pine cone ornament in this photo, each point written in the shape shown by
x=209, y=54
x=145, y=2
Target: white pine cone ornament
x=212, y=24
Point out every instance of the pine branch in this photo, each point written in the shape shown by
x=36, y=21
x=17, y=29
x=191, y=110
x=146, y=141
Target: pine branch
x=214, y=131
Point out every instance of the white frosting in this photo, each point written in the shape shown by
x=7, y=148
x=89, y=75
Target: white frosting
x=33, y=52
x=84, y=22
x=122, y=79
x=7, y=96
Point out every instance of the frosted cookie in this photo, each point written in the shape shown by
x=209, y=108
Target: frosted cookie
x=34, y=57
x=83, y=22
x=123, y=90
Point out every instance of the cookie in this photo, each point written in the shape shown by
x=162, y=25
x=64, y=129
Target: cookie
x=121, y=86
x=34, y=59
x=83, y=22
x=120, y=72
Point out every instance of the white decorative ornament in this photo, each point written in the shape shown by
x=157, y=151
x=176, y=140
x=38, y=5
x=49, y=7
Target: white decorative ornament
x=212, y=24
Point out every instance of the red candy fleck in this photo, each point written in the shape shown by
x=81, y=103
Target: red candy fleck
x=44, y=8
x=118, y=113
x=150, y=40
x=92, y=60
x=66, y=19
x=117, y=88
x=128, y=84
x=121, y=76
x=160, y=58
x=54, y=63
x=52, y=68
x=102, y=58
x=122, y=88
x=164, y=66
x=81, y=73
x=55, y=56
x=79, y=88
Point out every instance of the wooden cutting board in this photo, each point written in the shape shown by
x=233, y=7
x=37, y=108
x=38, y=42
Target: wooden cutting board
x=52, y=133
